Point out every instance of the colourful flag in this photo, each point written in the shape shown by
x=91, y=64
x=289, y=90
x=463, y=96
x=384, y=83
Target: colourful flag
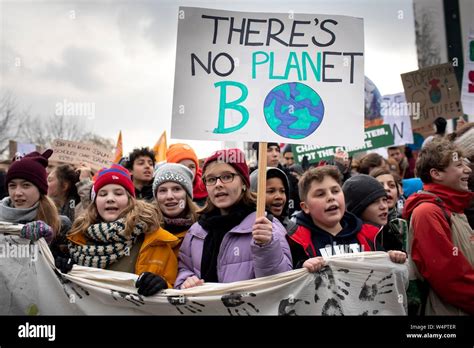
x=118, y=149
x=160, y=148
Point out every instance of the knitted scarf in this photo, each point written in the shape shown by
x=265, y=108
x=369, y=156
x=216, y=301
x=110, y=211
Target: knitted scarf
x=17, y=215
x=177, y=225
x=217, y=226
x=109, y=243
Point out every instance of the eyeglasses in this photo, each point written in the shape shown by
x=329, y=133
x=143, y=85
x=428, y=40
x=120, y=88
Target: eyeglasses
x=225, y=178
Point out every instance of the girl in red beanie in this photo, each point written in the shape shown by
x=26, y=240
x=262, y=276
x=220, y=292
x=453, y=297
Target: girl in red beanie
x=27, y=202
x=120, y=233
x=228, y=243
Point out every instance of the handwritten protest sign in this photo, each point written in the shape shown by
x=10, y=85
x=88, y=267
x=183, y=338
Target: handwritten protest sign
x=467, y=98
x=375, y=137
x=396, y=113
x=269, y=77
x=437, y=91
x=75, y=152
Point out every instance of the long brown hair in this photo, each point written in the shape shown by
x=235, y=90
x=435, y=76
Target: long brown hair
x=48, y=213
x=136, y=211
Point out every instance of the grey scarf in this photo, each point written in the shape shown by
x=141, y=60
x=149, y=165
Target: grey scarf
x=17, y=215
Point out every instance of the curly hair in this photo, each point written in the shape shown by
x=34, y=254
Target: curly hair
x=136, y=153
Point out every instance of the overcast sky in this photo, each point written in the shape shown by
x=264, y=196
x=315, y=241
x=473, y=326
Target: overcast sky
x=120, y=55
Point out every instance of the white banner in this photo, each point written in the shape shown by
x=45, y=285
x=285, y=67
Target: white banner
x=467, y=90
x=244, y=76
x=360, y=284
x=396, y=113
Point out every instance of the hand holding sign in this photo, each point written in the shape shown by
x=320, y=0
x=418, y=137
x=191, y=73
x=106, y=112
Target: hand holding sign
x=262, y=231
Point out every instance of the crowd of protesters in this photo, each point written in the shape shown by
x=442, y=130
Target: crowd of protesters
x=177, y=224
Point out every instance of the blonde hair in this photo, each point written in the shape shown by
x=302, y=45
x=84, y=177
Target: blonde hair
x=136, y=211
x=48, y=213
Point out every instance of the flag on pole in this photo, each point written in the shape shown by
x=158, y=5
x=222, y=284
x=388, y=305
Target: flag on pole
x=160, y=148
x=118, y=149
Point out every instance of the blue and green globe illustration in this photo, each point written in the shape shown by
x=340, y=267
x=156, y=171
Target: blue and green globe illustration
x=293, y=110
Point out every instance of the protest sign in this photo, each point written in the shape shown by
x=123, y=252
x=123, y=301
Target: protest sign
x=436, y=90
x=467, y=98
x=353, y=284
x=21, y=149
x=75, y=152
x=269, y=77
x=375, y=137
x=396, y=113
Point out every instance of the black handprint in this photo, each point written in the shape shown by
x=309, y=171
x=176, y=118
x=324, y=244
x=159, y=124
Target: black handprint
x=182, y=302
x=332, y=307
x=370, y=292
x=234, y=303
x=287, y=306
x=136, y=299
x=326, y=276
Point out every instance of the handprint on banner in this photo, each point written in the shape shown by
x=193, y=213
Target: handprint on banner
x=325, y=278
x=287, y=306
x=237, y=306
x=370, y=292
x=182, y=302
x=136, y=299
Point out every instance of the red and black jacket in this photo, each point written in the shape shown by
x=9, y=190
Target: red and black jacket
x=308, y=238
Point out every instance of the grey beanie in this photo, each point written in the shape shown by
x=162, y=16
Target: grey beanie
x=173, y=172
x=360, y=191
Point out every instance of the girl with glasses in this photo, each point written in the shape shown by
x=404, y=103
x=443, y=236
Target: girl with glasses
x=228, y=243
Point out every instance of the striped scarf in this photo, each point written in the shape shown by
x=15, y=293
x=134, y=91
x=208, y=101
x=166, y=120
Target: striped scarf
x=110, y=243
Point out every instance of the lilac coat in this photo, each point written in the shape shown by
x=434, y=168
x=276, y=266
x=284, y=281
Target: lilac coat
x=239, y=257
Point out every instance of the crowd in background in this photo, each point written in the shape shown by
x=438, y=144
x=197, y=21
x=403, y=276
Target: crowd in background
x=178, y=224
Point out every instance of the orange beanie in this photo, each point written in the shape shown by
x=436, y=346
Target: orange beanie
x=178, y=152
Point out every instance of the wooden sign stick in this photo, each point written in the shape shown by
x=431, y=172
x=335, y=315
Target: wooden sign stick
x=262, y=178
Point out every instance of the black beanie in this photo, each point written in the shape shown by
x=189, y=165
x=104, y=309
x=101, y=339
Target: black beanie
x=360, y=191
x=287, y=148
x=255, y=146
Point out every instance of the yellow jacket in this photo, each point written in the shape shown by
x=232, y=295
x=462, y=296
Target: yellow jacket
x=158, y=253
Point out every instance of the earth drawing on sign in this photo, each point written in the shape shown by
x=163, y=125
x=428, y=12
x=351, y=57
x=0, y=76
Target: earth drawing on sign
x=293, y=110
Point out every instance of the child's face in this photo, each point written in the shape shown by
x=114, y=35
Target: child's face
x=396, y=154
x=224, y=195
x=143, y=169
x=275, y=196
x=376, y=212
x=23, y=193
x=111, y=201
x=273, y=156
x=189, y=164
x=390, y=187
x=456, y=175
x=171, y=198
x=325, y=203
x=54, y=186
